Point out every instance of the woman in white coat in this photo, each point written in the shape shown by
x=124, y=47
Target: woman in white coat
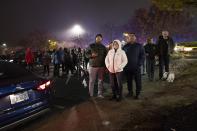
x=115, y=61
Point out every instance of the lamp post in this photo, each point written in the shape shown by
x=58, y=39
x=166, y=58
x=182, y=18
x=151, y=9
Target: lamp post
x=76, y=32
x=4, y=45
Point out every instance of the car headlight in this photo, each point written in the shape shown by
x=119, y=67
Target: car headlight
x=187, y=49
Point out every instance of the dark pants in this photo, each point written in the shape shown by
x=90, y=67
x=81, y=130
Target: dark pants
x=86, y=63
x=66, y=68
x=150, y=67
x=136, y=75
x=30, y=66
x=46, y=69
x=163, y=62
x=63, y=67
x=116, y=83
x=56, y=69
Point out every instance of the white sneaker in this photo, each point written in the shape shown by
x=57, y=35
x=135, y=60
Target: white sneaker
x=100, y=96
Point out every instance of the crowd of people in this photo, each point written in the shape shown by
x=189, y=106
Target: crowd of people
x=120, y=60
x=67, y=60
x=127, y=60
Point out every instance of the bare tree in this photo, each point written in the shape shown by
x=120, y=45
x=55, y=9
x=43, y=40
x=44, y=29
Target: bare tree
x=36, y=40
x=150, y=22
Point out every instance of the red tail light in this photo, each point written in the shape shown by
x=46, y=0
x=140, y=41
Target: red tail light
x=43, y=86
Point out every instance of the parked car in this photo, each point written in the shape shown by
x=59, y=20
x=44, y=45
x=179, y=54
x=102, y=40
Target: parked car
x=23, y=95
x=186, y=49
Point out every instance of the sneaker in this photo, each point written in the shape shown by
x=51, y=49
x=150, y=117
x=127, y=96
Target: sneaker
x=100, y=96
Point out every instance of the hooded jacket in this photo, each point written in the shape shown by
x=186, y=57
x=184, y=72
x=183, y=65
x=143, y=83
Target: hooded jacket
x=29, y=57
x=115, y=61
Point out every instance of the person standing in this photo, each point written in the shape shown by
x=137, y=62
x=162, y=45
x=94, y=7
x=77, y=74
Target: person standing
x=150, y=50
x=135, y=55
x=115, y=61
x=46, y=60
x=62, y=62
x=67, y=61
x=85, y=59
x=165, y=47
x=96, y=53
x=79, y=61
x=29, y=58
x=39, y=58
x=74, y=59
x=56, y=61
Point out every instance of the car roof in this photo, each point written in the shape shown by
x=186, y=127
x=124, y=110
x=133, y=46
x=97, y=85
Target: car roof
x=13, y=73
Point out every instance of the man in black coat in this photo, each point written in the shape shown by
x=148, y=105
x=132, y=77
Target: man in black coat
x=165, y=47
x=150, y=50
x=96, y=53
x=135, y=55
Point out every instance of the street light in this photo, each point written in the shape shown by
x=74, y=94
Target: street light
x=4, y=45
x=77, y=30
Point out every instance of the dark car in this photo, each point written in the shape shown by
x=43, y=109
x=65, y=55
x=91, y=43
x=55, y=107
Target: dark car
x=23, y=95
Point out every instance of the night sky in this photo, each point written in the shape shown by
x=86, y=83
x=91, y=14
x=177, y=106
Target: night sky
x=19, y=17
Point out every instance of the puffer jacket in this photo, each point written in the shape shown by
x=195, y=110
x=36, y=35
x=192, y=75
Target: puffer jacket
x=115, y=61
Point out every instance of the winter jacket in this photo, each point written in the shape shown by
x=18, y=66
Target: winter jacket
x=61, y=55
x=116, y=60
x=29, y=57
x=165, y=47
x=135, y=55
x=56, y=58
x=99, y=60
x=150, y=50
x=46, y=59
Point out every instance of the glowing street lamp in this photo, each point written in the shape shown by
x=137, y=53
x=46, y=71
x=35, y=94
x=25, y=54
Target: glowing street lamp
x=4, y=45
x=77, y=30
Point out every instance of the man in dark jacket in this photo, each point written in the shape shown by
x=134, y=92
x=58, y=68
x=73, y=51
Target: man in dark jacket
x=67, y=61
x=46, y=60
x=56, y=61
x=150, y=50
x=96, y=54
x=165, y=47
x=135, y=55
